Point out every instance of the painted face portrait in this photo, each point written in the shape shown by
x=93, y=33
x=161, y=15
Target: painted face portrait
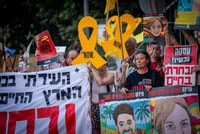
x=156, y=28
x=176, y=124
x=172, y=116
x=125, y=124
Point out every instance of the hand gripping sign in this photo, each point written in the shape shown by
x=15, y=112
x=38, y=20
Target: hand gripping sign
x=88, y=45
x=112, y=26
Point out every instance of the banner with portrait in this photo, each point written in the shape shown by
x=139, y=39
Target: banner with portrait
x=179, y=62
x=147, y=112
x=54, y=101
x=188, y=15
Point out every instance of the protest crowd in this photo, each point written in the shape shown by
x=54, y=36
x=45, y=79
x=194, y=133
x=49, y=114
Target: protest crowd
x=143, y=66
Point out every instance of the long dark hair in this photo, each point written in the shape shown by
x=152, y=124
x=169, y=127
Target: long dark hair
x=142, y=51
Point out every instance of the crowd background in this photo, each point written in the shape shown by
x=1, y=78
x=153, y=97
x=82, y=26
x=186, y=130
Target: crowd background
x=102, y=78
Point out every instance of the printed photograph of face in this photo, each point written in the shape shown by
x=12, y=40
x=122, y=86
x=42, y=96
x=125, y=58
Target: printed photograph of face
x=155, y=26
x=124, y=119
x=172, y=116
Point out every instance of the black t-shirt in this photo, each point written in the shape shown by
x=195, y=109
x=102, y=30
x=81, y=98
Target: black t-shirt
x=136, y=81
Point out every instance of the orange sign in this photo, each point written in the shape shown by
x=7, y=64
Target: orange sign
x=113, y=43
x=88, y=53
x=113, y=30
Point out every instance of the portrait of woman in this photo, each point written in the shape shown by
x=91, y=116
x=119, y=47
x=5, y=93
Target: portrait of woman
x=154, y=29
x=172, y=116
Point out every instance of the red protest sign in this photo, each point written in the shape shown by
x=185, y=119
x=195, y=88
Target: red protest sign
x=45, y=46
x=179, y=63
x=182, y=55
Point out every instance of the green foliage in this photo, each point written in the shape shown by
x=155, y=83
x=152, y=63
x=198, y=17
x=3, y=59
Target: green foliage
x=25, y=19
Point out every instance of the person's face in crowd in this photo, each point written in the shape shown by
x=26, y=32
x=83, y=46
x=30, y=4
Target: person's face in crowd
x=156, y=51
x=71, y=56
x=156, y=28
x=141, y=61
x=130, y=47
x=102, y=69
x=21, y=58
x=125, y=124
x=62, y=60
x=176, y=124
x=174, y=42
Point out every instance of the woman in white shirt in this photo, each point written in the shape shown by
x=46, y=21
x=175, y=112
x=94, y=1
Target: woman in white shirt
x=101, y=81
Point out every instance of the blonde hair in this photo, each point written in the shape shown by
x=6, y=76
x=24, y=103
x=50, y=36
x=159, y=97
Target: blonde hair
x=164, y=108
x=151, y=21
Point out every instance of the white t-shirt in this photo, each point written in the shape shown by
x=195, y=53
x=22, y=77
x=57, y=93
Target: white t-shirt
x=96, y=90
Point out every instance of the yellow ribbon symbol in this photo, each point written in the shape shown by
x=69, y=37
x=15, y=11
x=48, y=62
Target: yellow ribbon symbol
x=114, y=42
x=88, y=45
x=109, y=45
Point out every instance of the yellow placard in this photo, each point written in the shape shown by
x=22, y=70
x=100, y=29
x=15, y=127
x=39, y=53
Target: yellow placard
x=88, y=53
x=110, y=4
x=112, y=28
x=139, y=37
x=185, y=18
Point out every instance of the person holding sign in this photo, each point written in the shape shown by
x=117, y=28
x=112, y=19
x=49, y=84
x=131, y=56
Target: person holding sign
x=128, y=65
x=154, y=51
x=144, y=77
x=72, y=54
x=172, y=116
x=123, y=116
x=101, y=82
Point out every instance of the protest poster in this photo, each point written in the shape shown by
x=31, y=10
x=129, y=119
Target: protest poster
x=147, y=112
x=113, y=43
x=45, y=46
x=154, y=29
x=188, y=15
x=179, y=62
x=116, y=37
x=53, y=101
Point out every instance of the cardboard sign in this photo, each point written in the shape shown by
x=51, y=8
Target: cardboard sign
x=89, y=53
x=46, y=48
x=88, y=45
x=114, y=41
x=179, y=62
x=188, y=15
